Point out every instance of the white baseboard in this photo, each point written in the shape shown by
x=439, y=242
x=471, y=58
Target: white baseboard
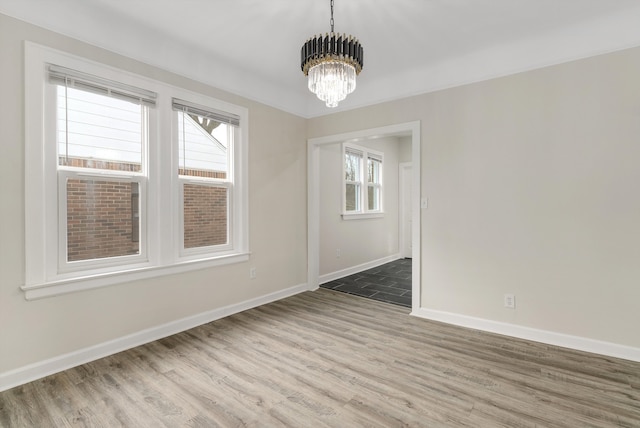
x=543, y=336
x=328, y=277
x=44, y=368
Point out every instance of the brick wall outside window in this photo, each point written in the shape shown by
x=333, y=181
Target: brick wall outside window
x=205, y=215
x=99, y=164
x=102, y=215
x=202, y=173
x=100, y=219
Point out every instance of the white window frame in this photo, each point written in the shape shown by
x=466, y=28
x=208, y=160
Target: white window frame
x=228, y=183
x=357, y=183
x=364, y=212
x=375, y=156
x=108, y=263
x=196, y=252
x=63, y=173
x=44, y=276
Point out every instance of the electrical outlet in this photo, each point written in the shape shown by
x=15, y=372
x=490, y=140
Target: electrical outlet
x=252, y=273
x=510, y=301
x=338, y=253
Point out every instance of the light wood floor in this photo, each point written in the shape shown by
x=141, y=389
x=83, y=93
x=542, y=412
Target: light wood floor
x=329, y=359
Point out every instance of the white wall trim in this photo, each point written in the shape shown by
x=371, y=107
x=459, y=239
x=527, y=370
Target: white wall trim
x=328, y=277
x=536, y=335
x=44, y=368
x=363, y=216
x=402, y=167
x=72, y=285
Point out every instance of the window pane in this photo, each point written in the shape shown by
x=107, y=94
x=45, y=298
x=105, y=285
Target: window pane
x=352, y=199
x=98, y=131
x=374, y=198
x=374, y=166
x=205, y=215
x=203, y=146
x=102, y=219
x=352, y=166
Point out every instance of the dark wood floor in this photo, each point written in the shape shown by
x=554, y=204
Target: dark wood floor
x=390, y=282
x=328, y=359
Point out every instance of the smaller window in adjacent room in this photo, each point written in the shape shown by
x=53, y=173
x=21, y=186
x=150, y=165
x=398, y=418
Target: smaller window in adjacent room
x=352, y=179
x=374, y=173
x=362, y=182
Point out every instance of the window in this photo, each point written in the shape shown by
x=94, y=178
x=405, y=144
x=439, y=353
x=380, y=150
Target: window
x=374, y=182
x=205, y=144
x=362, y=182
x=101, y=134
x=128, y=178
x=353, y=180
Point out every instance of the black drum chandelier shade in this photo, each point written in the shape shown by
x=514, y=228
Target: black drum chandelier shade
x=331, y=63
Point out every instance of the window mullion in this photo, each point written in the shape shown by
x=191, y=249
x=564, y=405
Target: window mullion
x=364, y=194
x=164, y=187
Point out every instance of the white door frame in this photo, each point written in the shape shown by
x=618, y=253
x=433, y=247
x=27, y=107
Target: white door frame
x=411, y=129
x=402, y=205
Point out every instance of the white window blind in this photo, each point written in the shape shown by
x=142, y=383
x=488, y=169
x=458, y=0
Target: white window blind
x=87, y=82
x=205, y=112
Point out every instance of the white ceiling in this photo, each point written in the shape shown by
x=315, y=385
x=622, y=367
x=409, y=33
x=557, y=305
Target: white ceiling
x=252, y=47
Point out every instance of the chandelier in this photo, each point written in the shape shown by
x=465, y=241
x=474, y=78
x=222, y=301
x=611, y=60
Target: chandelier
x=331, y=63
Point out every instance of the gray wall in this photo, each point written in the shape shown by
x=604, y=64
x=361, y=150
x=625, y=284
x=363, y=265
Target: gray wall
x=34, y=331
x=532, y=182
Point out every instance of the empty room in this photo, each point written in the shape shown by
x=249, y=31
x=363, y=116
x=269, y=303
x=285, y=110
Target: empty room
x=320, y=213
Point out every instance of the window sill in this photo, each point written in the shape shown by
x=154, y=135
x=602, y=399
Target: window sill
x=362, y=216
x=59, y=287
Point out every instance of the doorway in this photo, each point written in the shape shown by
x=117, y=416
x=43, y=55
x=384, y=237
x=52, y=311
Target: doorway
x=410, y=129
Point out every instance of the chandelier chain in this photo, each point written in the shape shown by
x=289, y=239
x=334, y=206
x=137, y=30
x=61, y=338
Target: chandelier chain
x=331, y=16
